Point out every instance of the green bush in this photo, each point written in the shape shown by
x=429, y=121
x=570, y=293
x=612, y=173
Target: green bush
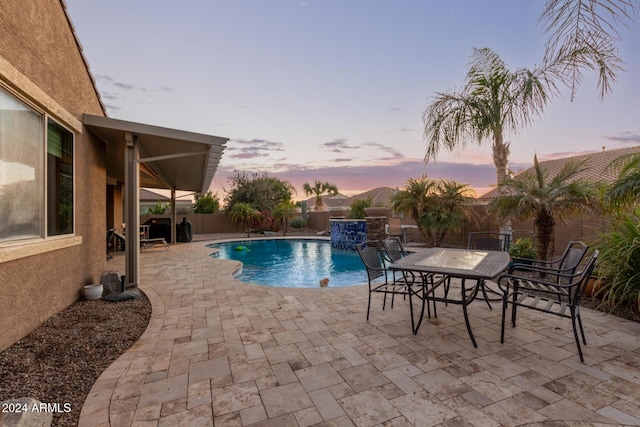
x=522, y=248
x=619, y=262
x=206, y=203
x=298, y=222
x=158, y=209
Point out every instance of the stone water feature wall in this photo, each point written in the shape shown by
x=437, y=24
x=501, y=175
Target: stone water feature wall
x=347, y=233
x=376, y=227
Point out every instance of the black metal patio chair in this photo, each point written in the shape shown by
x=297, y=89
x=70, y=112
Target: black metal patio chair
x=559, y=293
x=566, y=263
x=379, y=277
x=392, y=249
x=489, y=241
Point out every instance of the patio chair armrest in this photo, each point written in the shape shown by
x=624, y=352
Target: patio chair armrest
x=536, y=269
x=541, y=282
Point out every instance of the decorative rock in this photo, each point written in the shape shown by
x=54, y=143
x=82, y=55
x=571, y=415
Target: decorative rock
x=24, y=412
x=111, y=282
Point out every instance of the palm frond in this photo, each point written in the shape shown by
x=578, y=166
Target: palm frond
x=583, y=35
x=494, y=100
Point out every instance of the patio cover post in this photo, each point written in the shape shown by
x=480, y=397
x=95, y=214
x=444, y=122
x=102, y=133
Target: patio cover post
x=132, y=210
x=173, y=216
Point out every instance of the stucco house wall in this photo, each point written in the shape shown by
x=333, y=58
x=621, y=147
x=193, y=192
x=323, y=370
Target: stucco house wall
x=41, y=63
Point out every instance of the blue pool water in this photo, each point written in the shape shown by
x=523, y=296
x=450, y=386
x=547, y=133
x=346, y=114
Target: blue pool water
x=294, y=263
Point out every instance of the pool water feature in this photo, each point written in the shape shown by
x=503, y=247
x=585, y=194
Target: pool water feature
x=293, y=263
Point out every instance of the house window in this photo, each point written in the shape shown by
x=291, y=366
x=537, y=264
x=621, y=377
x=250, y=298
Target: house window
x=26, y=209
x=59, y=180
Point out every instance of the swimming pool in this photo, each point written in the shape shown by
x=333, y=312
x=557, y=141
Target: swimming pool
x=293, y=263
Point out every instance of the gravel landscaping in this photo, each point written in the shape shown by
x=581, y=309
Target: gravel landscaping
x=60, y=360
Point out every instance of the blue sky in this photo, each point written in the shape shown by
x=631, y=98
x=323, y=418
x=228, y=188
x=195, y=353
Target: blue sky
x=335, y=89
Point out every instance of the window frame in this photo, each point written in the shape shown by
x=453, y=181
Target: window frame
x=47, y=200
x=44, y=236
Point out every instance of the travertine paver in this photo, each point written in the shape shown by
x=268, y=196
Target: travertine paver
x=219, y=352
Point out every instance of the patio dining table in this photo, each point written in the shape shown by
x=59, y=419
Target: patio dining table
x=472, y=267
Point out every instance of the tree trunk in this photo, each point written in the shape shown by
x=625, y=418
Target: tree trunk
x=500, y=158
x=500, y=161
x=544, y=225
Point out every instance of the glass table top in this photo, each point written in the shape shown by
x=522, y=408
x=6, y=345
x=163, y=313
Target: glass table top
x=464, y=260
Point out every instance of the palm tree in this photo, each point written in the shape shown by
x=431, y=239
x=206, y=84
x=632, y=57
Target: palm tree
x=449, y=204
x=583, y=36
x=357, y=208
x=243, y=213
x=625, y=190
x=493, y=101
x=318, y=190
x=413, y=199
x=284, y=212
x=546, y=199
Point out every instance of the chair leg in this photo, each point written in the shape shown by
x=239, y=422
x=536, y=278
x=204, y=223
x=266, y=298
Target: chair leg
x=575, y=333
x=484, y=294
x=369, y=306
x=505, y=303
x=447, y=283
x=514, y=306
x=579, y=318
x=435, y=310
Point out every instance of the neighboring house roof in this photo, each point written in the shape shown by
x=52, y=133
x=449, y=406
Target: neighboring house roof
x=597, y=169
x=149, y=195
x=328, y=202
x=379, y=196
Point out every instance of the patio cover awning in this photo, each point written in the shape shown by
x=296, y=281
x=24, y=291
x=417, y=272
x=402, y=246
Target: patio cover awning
x=142, y=155
x=169, y=158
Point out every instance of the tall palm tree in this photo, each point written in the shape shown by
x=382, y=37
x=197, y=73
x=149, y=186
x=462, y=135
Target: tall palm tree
x=583, y=36
x=448, y=205
x=493, y=101
x=625, y=190
x=319, y=189
x=243, y=213
x=412, y=199
x=546, y=199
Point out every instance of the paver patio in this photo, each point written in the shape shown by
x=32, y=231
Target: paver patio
x=220, y=352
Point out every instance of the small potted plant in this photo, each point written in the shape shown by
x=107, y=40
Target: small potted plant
x=522, y=251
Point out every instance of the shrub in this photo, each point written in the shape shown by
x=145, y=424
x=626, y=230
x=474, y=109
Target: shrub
x=619, y=262
x=522, y=248
x=158, y=209
x=206, y=203
x=298, y=222
x=265, y=222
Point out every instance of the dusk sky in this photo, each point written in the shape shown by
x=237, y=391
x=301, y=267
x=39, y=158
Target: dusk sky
x=334, y=90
